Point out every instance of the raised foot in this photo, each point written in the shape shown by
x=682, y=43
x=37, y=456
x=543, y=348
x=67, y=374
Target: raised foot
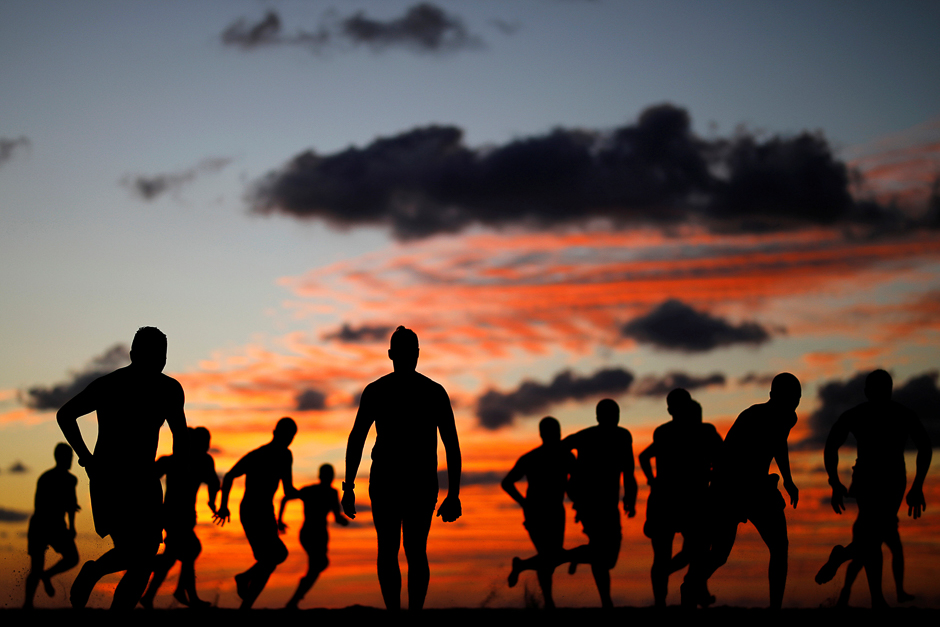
x=829, y=569
x=514, y=573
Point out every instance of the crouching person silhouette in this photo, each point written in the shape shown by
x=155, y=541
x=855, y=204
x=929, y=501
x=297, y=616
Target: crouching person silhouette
x=132, y=403
x=264, y=468
x=408, y=409
x=319, y=500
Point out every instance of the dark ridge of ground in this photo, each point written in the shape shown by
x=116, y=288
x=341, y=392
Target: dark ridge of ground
x=460, y=617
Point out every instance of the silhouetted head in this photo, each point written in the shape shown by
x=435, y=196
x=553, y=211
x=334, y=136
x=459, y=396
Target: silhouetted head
x=695, y=412
x=63, y=455
x=878, y=386
x=403, y=349
x=327, y=473
x=285, y=431
x=785, y=390
x=200, y=440
x=608, y=412
x=677, y=402
x=148, y=350
x=550, y=430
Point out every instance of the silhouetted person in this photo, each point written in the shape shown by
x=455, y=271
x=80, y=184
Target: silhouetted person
x=126, y=497
x=742, y=489
x=881, y=428
x=605, y=452
x=319, y=499
x=264, y=469
x=893, y=542
x=685, y=450
x=408, y=410
x=184, y=474
x=546, y=470
x=55, y=501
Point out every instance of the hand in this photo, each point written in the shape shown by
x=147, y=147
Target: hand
x=349, y=503
x=916, y=502
x=344, y=522
x=222, y=516
x=450, y=509
x=838, y=495
x=281, y=528
x=793, y=491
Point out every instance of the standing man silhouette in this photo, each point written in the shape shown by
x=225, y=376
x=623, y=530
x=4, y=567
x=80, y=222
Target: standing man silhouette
x=319, y=500
x=132, y=403
x=605, y=452
x=742, y=489
x=881, y=428
x=546, y=470
x=408, y=410
x=55, y=501
x=685, y=450
x=264, y=468
x=184, y=474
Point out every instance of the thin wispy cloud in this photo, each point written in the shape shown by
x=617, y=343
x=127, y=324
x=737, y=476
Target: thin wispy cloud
x=8, y=147
x=661, y=386
x=150, y=187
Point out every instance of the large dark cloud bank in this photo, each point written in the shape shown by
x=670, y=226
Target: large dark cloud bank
x=427, y=181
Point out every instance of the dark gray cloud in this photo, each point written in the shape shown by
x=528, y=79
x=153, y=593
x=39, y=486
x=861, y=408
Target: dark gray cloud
x=427, y=181
x=487, y=477
x=496, y=409
x=661, y=386
x=365, y=333
x=311, y=399
x=919, y=393
x=505, y=27
x=757, y=378
x=10, y=515
x=150, y=187
x=10, y=146
x=422, y=28
x=54, y=397
x=675, y=326
x=18, y=468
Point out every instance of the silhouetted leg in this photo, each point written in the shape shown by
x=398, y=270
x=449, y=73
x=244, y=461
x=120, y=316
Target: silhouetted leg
x=388, y=534
x=771, y=524
x=893, y=540
x=161, y=566
x=185, y=591
x=873, y=572
x=316, y=564
x=602, y=581
x=704, y=561
x=851, y=572
x=577, y=555
x=90, y=573
x=37, y=563
x=662, y=562
x=68, y=561
x=138, y=552
x=415, y=529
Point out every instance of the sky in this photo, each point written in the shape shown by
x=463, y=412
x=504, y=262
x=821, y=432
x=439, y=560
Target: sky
x=566, y=200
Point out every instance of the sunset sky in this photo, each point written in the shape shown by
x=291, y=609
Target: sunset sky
x=566, y=200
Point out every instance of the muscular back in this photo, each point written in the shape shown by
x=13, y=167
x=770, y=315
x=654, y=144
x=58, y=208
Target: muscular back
x=881, y=430
x=264, y=468
x=752, y=442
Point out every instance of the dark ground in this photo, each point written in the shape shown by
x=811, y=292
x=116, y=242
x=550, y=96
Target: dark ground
x=573, y=617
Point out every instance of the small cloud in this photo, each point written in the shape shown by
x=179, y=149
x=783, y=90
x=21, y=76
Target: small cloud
x=9, y=146
x=18, y=468
x=149, y=187
x=676, y=326
x=54, y=397
x=424, y=28
x=497, y=409
x=661, y=386
x=311, y=400
x=9, y=515
x=267, y=32
x=365, y=333
x=506, y=28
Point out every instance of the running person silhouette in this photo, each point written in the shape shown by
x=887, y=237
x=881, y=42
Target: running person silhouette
x=685, y=450
x=131, y=403
x=264, y=469
x=55, y=501
x=319, y=499
x=881, y=428
x=742, y=489
x=408, y=409
x=184, y=474
x=605, y=452
x=546, y=470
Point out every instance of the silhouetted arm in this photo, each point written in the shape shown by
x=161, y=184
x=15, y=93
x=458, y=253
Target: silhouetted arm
x=915, y=497
x=509, y=483
x=287, y=478
x=223, y=516
x=648, y=453
x=211, y=480
x=629, y=481
x=82, y=403
x=357, y=440
x=337, y=512
x=280, y=514
x=73, y=507
x=782, y=457
x=837, y=436
x=450, y=510
x=176, y=419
